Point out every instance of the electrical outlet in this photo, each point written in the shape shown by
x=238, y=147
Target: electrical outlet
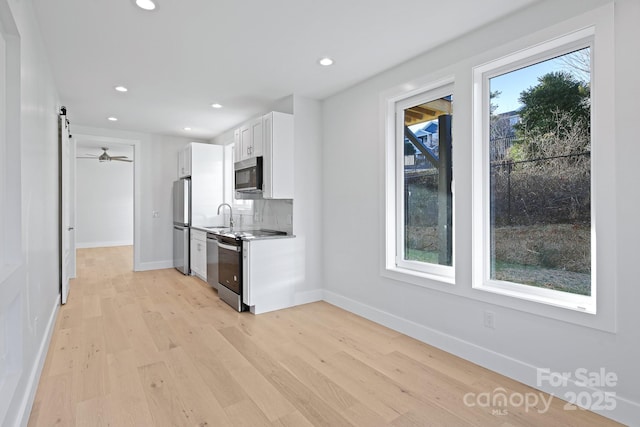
x=489, y=319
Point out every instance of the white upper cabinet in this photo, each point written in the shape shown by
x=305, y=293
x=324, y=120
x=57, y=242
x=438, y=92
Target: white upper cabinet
x=277, y=130
x=256, y=130
x=269, y=136
x=246, y=143
x=250, y=139
x=184, y=162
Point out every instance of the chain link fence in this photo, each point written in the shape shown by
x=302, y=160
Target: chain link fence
x=550, y=190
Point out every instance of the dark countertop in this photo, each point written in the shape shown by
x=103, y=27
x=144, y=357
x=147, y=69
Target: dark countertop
x=246, y=234
x=271, y=237
x=212, y=229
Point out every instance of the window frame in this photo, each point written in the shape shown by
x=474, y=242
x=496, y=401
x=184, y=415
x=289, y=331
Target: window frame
x=604, y=152
x=395, y=266
x=481, y=258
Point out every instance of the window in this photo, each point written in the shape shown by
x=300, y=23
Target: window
x=419, y=185
x=533, y=207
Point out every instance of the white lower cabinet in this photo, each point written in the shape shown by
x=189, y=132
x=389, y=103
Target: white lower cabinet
x=269, y=270
x=199, y=254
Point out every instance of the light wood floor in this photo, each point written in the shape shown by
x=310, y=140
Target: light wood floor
x=160, y=349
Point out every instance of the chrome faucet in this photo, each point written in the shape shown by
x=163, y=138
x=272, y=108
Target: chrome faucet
x=230, y=214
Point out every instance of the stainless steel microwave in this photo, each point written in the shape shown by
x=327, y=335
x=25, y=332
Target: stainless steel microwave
x=248, y=175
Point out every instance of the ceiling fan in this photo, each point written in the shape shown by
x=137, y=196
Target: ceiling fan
x=105, y=157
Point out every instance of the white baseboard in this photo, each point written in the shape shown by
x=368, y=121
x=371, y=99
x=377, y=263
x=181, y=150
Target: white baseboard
x=36, y=370
x=154, y=265
x=626, y=411
x=86, y=245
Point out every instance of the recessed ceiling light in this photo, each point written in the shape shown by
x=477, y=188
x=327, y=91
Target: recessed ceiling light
x=325, y=62
x=121, y=88
x=216, y=105
x=187, y=128
x=112, y=119
x=146, y=4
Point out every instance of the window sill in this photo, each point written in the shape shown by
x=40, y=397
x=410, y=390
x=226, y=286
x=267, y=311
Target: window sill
x=418, y=278
x=575, y=302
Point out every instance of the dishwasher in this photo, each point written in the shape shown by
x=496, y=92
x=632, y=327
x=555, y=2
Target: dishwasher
x=230, y=271
x=212, y=260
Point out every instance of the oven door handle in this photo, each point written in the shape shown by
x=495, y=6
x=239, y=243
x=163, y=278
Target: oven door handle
x=229, y=247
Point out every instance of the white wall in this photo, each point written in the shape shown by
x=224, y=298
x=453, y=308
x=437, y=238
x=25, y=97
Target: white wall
x=352, y=177
x=29, y=289
x=156, y=167
x=307, y=201
x=104, y=204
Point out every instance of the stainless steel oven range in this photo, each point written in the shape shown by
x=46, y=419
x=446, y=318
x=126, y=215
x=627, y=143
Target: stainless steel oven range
x=224, y=262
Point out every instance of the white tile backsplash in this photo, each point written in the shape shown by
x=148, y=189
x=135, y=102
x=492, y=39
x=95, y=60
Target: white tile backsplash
x=267, y=214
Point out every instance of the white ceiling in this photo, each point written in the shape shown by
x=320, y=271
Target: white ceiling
x=244, y=54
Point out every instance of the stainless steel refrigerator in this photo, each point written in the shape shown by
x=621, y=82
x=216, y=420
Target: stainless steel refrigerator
x=181, y=223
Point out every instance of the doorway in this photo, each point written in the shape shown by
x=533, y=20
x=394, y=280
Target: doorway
x=107, y=193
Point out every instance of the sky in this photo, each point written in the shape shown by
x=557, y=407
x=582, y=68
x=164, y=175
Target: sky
x=513, y=83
